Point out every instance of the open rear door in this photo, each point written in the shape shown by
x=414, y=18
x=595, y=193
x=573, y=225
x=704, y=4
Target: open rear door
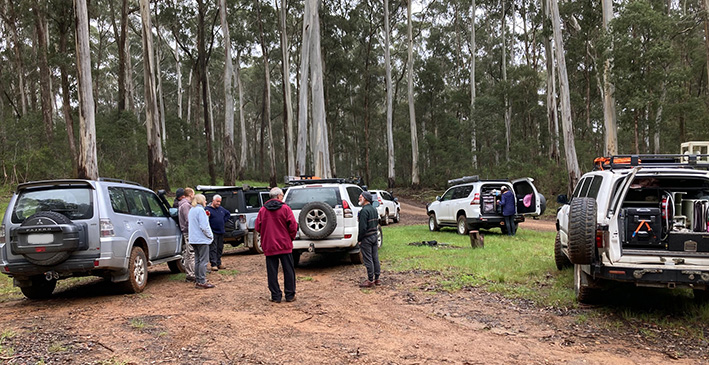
x=529, y=201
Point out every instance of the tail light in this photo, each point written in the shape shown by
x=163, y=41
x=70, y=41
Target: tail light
x=476, y=199
x=106, y=228
x=379, y=199
x=2, y=233
x=347, y=210
x=602, y=237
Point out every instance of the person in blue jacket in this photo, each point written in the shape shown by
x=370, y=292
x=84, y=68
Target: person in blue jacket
x=200, y=236
x=507, y=202
x=218, y=216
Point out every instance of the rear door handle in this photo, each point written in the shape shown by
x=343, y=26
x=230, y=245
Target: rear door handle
x=139, y=222
x=160, y=224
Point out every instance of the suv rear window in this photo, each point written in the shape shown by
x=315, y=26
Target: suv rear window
x=297, y=198
x=74, y=203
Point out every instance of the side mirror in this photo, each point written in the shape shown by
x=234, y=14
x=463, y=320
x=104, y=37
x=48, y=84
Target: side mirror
x=396, y=200
x=562, y=199
x=173, y=212
x=438, y=198
x=365, y=188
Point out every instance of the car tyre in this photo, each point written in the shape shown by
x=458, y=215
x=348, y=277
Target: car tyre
x=582, y=231
x=385, y=220
x=256, y=244
x=560, y=258
x=47, y=258
x=177, y=266
x=317, y=220
x=380, y=237
x=137, y=271
x=462, y=226
x=397, y=216
x=41, y=288
x=586, y=288
x=432, y=224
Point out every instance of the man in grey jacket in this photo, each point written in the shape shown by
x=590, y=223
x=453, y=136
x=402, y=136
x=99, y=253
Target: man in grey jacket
x=367, y=238
x=184, y=206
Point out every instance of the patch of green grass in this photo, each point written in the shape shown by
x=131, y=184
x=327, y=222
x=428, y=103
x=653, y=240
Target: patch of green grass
x=305, y=278
x=138, y=323
x=111, y=361
x=4, y=348
x=57, y=347
x=521, y=266
x=229, y=272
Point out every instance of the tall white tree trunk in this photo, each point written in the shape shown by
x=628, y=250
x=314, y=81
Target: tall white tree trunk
x=178, y=71
x=288, y=104
x=415, y=180
x=474, y=127
x=609, y=115
x=189, y=96
x=242, y=120
x=572, y=165
x=303, y=92
x=391, y=172
x=88, y=165
x=321, y=148
x=211, y=108
x=130, y=84
x=229, y=151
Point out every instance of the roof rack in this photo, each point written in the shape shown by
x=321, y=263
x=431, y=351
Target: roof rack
x=629, y=161
x=310, y=179
x=110, y=179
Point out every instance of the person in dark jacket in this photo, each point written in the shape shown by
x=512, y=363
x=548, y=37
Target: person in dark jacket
x=218, y=216
x=507, y=202
x=278, y=227
x=367, y=239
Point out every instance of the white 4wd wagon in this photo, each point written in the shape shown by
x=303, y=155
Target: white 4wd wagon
x=327, y=213
x=472, y=204
x=640, y=219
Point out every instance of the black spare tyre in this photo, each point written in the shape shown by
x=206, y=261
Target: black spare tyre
x=582, y=231
x=48, y=238
x=317, y=220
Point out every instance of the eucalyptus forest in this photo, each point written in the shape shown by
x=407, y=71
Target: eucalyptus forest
x=403, y=94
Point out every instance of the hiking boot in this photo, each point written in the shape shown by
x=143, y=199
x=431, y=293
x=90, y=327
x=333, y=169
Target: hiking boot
x=214, y=268
x=366, y=284
x=203, y=286
x=377, y=282
x=221, y=267
x=290, y=300
x=274, y=300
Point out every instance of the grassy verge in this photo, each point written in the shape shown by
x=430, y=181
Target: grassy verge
x=520, y=266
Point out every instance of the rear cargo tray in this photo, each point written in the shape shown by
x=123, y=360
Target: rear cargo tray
x=688, y=242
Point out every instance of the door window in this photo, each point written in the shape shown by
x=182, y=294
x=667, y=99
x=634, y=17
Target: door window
x=137, y=204
x=118, y=200
x=595, y=186
x=449, y=194
x=156, y=208
x=354, y=192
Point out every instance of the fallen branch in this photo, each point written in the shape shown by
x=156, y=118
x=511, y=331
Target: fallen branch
x=301, y=321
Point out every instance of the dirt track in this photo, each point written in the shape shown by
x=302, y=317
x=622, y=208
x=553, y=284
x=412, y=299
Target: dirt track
x=406, y=321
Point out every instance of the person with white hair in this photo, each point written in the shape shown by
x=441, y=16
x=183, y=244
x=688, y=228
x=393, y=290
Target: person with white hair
x=218, y=216
x=200, y=238
x=277, y=226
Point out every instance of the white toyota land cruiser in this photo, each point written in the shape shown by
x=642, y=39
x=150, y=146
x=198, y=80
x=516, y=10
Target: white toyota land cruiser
x=640, y=219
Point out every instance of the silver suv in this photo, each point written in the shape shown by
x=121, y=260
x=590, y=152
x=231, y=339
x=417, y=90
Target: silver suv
x=327, y=212
x=637, y=219
x=471, y=204
x=110, y=228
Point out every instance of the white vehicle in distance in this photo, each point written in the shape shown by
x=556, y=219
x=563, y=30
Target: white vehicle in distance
x=388, y=206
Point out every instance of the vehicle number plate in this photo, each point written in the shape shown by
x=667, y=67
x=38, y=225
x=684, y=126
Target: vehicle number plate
x=40, y=239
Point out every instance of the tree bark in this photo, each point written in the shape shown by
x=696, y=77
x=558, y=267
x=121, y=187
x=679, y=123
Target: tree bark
x=66, y=103
x=178, y=72
x=202, y=60
x=508, y=111
x=391, y=172
x=321, y=147
x=242, y=121
x=158, y=76
x=552, y=107
x=88, y=166
x=572, y=165
x=303, y=91
x=157, y=174
x=39, y=9
x=609, y=114
x=473, y=121
x=19, y=66
x=288, y=103
x=229, y=151
x=267, y=99
x=415, y=180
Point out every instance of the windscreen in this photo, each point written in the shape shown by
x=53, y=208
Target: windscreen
x=297, y=198
x=74, y=203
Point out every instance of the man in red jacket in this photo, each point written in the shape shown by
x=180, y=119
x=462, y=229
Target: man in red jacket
x=277, y=226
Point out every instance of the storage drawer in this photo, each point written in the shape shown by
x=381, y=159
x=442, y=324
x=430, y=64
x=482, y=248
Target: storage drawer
x=688, y=242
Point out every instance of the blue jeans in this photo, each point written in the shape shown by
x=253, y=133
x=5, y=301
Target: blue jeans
x=510, y=224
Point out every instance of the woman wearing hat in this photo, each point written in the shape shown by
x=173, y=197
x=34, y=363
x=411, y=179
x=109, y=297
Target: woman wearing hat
x=507, y=202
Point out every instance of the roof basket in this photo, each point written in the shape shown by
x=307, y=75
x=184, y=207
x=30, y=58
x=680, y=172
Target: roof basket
x=464, y=180
x=629, y=161
x=310, y=179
